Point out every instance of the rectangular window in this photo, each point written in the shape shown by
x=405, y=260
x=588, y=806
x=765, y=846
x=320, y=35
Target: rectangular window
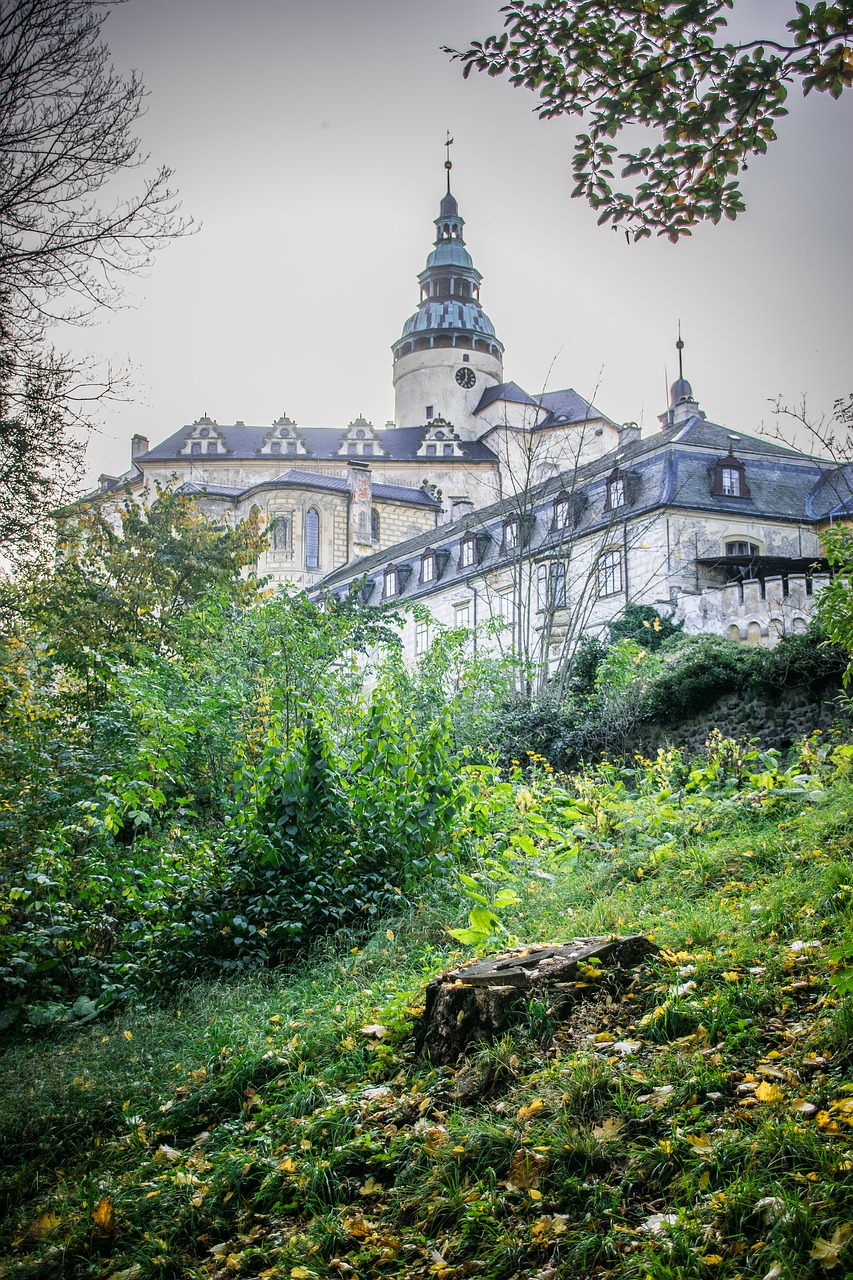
x=511, y=538
x=506, y=606
x=390, y=583
x=430, y=450
x=195, y=447
x=428, y=569
x=430, y=411
x=468, y=556
x=421, y=638
x=617, y=493
x=447, y=450
x=462, y=615
x=610, y=573
x=367, y=450
x=291, y=446
x=275, y=447
x=558, y=585
x=731, y=482
x=542, y=587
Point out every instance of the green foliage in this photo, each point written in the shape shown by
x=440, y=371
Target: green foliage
x=643, y=624
x=835, y=603
x=713, y=103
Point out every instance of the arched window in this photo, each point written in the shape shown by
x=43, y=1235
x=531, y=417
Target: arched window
x=468, y=551
x=390, y=584
x=558, y=585
x=512, y=533
x=428, y=567
x=312, y=538
x=374, y=524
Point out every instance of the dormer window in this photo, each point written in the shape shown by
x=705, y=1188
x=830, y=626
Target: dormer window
x=615, y=493
x=729, y=478
x=562, y=511
x=390, y=583
x=512, y=533
x=275, y=447
x=195, y=447
x=468, y=551
x=428, y=567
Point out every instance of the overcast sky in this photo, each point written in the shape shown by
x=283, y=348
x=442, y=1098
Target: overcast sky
x=307, y=138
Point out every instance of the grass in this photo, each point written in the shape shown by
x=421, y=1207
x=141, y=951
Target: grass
x=253, y=1129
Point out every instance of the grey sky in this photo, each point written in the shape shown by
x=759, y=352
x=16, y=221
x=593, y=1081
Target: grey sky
x=307, y=139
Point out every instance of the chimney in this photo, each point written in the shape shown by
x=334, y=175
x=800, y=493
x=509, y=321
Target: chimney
x=360, y=484
x=138, y=446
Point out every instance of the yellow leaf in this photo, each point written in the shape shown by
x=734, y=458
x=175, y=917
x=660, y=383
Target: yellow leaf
x=701, y=1143
x=389, y=934
x=301, y=1273
x=608, y=1131
x=826, y=1252
x=527, y=1113
x=534, y=1194
x=704, y=1181
x=128, y=1035
x=104, y=1217
x=767, y=1092
x=288, y=1165
x=712, y=1259
x=44, y=1224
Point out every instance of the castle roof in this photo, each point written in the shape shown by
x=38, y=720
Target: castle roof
x=321, y=443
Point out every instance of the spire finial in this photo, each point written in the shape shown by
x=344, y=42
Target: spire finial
x=448, y=164
x=679, y=346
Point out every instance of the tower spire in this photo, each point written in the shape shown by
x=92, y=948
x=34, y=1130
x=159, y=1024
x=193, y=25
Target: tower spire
x=679, y=346
x=448, y=163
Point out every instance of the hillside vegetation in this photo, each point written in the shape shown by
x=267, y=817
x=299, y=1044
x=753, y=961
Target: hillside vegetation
x=280, y=1125
x=230, y=863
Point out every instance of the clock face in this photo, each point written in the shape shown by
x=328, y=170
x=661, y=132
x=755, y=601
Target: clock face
x=466, y=377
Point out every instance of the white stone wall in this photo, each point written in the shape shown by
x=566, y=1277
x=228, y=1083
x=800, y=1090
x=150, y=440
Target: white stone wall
x=428, y=377
x=751, y=611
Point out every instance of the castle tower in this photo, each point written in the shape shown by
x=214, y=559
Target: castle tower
x=447, y=354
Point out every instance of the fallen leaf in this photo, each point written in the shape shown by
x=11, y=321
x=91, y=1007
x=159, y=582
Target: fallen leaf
x=301, y=1273
x=43, y=1225
x=527, y=1113
x=608, y=1131
x=104, y=1217
x=701, y=1143
x=768, y=1092
x=826, y=1252
x=802, y=1107
x=374, y=1030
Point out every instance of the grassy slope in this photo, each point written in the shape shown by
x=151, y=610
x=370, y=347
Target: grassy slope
x=256, y=1131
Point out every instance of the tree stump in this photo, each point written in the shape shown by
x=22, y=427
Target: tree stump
x=478, y=1000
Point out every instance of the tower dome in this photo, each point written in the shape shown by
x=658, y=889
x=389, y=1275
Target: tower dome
x=448, y=352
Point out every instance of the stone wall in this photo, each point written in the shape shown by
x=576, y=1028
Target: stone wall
x=776, y=721
x=752, y=611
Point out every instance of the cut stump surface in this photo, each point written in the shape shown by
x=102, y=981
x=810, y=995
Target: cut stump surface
x=478, y=1000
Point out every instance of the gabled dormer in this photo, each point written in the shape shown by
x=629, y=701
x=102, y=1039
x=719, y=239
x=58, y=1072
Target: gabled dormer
x=440, y=440
x=283, y=439
x=204, y=437
x=361, y=440
x=728, y=478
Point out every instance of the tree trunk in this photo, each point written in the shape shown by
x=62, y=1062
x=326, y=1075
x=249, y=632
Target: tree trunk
x=478, y=1000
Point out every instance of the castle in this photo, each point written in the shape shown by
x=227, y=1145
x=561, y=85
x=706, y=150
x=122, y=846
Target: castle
x=481, y=501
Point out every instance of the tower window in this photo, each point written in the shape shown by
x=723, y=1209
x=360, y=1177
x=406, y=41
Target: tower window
x=374, y=524
x=466, y=359
x=430, y=412
x=312, y=538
